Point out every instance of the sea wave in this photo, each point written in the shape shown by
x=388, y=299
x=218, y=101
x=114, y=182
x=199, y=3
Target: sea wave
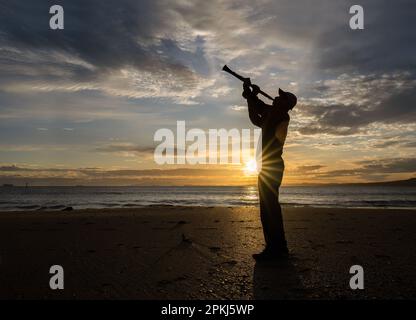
x=59, y=198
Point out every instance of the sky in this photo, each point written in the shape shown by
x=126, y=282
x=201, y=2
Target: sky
x=82, y=105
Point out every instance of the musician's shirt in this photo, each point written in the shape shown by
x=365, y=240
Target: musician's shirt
x=274, y=124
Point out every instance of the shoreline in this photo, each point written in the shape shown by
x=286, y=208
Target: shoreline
x=205, y=253
x=161, y=206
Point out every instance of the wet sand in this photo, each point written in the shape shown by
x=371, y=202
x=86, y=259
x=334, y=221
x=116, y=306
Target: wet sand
x=205, y=253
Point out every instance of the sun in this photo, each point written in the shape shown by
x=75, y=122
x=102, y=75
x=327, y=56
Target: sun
x=250, y=167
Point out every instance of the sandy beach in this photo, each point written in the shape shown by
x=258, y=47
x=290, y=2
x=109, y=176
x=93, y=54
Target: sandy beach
x=205, y=253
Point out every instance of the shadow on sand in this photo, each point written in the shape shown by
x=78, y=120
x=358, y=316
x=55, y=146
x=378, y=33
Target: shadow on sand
x=277, y=280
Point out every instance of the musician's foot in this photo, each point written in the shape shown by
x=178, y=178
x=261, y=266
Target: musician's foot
x=270, y=255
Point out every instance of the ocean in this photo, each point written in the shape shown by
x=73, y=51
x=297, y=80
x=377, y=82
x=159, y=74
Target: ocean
x=58, y=198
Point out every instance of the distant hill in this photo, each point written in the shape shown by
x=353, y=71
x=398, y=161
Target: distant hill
x=398, y=183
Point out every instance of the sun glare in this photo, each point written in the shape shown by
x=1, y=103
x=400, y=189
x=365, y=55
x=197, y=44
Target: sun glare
x=250, y=167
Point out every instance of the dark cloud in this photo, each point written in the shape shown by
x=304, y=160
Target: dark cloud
x=131, y=148
x=318, y=127
x=387, y=143
x=409, y=144
x=309, y=168
x=12, y=168
x=377, y=65
x=192, y=172
x=96, y=176
x=98, y=172
x=396, y=165
x=124, y=148
x=388, y=42
x=398, y=107
x=106, y=35
x=398, y=142
x=377, y=167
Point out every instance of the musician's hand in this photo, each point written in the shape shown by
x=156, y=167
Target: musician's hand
x=256, y=89
x=246, y=92
x=246, y=88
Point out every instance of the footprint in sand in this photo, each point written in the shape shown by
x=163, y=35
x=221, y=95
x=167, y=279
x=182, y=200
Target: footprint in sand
x=229, y=262
x=382, y=256
x=344, y=242
x=163, y=283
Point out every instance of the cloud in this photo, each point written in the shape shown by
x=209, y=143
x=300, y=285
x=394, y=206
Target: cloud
x=100, y=172
x=129, y=67
x=126, y=49
x=12, y=168
x=349, y=104
x=124, y=147
x=309, y=168
x=366, y=168
x=369, y=74
x=396, y=142
x=170, y=49
x=394, y=165
x=386, y=45
x=99, y=176
x=90, y=34
x=238, y=108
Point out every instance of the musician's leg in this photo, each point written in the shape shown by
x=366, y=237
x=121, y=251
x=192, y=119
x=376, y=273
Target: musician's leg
x=271, y=212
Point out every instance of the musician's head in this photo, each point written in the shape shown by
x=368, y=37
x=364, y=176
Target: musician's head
x=286, y=100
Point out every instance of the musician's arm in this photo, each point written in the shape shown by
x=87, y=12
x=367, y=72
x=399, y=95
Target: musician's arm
x=257, y=109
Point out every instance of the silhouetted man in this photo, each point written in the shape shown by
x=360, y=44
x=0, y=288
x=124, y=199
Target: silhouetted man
x=274, y=121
